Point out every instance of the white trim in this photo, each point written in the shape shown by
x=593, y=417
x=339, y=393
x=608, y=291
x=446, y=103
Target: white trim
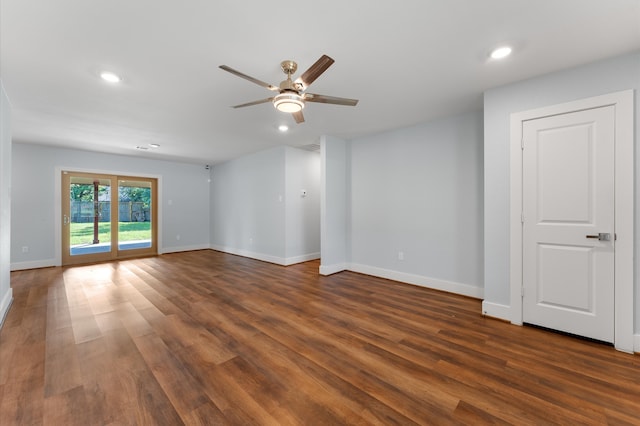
x=624, y=207
x=636, y=346
x=332, y=269
x=283, y=261
x=624, y=217
x=34, y=264
x=250, y=254
x=515, y=219
x=57, y=203
x=302, y=258
x=57, y=216
x=5, y=305
x=179, y=249
x=496, y=310
x=420, y=280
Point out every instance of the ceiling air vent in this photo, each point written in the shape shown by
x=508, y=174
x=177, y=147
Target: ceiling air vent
x=311, y=147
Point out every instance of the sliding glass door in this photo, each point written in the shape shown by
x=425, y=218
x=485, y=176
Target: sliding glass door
x=135, y=218
x=107, y=217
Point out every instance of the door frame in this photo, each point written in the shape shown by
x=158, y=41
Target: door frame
x=624, y=207
x=57, y=213
x=67, y=258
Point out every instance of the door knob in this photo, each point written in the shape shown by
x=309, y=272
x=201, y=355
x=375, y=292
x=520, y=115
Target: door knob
x=603, y=236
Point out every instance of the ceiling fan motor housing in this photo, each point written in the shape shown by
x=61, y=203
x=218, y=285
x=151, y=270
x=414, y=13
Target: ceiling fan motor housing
x=289, y=86
x=289, y=67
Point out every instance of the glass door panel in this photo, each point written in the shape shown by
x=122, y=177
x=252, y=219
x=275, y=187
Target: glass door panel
x=90, y=219
x=135, y=219
x=87, y=212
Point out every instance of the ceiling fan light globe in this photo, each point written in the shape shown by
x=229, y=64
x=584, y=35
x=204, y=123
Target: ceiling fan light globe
x=289, y=106
x=288, y=102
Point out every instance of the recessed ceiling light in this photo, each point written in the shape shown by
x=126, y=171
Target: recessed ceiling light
x=501, y=52
x=110, y=77
x=154, y=145
x=144, y=148
x=283, y=127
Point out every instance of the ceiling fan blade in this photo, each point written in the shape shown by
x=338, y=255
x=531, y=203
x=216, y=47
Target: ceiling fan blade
x=324, y=99
x=261, y=101
x=310, y=75
x=251, y=79
x=298, y=117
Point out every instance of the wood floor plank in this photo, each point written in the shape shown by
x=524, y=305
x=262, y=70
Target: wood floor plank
x=61, y=355
x=133, y=321
x=190, y=337
x=149, y=404
x=307, y=380
x=9, y=338
x=472, y=415
x=68, y=408
x=203, y=337
x=176, y=381
x=22, y=398
x=260, y=408
x=205, y=415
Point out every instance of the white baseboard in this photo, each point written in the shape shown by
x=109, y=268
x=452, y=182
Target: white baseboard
x=21, y=266
x=250, y=254
x=5, y=304
x=496, y=310
x=433, y=283
x=332, y=269
x=284, y=261
x=301, y=259
x=166, y=250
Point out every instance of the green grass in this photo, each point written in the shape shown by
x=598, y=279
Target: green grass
x=82, y=233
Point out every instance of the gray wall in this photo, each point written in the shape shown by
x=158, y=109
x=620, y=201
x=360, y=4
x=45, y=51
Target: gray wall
x=183, y=204
x=247, y=205
x=334, y=205
x=418, y=191
x=594, y=79
x=256, y=208
x=5, y=203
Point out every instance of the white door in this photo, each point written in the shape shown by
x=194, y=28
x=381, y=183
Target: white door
x=568, y=214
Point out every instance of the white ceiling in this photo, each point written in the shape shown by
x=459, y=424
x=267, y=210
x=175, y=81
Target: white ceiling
x=407, y=61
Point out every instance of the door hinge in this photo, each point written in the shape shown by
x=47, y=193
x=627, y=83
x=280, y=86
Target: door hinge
x=521, y=217
x=522, y=291
x=522, y=144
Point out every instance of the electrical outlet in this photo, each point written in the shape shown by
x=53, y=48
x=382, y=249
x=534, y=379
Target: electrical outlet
x=178, y=237
x=400, y=255
x=25, y=249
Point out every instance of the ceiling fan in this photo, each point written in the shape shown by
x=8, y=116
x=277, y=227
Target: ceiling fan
x=292, y=95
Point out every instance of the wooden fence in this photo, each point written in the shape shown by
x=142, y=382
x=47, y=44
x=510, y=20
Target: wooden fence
x=130, y=211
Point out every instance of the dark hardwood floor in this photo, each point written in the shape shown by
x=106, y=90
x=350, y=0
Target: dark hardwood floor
x=209, y=338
